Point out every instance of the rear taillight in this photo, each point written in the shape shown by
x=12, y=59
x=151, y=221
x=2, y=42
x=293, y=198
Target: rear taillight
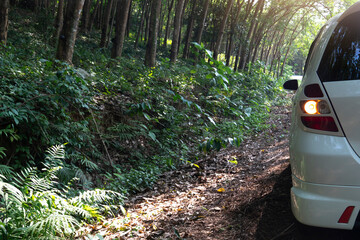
x=317, y=110
x=313, y=90
x=320, y=123
x=315, y=107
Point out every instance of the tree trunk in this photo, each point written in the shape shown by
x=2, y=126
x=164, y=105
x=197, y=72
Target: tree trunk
x=271, y=46
x=145, y=31
x=141, y=24
x=232, y=31
x=147, y=21
x=201, y=24
x=129, y=21
x=94, y=14
x=181, y=23
x=161, y=21
x=4, y=21
x=255, y=49
x=120, y=28
x=276, y=50
x=263, y=47
x=244, y=49
x=150, y=55
x=85, y=18
x=111, y=24
x=168, y=23
x=176, y=34
x=222, y=29
x=52, y=7
x=59, y=20
x=189, y=31
x=65, y=49
x=241, y=44
x=105, y=26
x=100, y=14
x=36, y=5
x=293, y=36
x=256, y=36
x=200, y=27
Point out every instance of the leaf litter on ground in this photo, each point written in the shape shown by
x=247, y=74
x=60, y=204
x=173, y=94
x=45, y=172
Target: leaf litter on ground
x=212, y=198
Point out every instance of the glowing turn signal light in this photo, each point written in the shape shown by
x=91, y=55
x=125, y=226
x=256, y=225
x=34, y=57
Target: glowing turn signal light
x=310, y=107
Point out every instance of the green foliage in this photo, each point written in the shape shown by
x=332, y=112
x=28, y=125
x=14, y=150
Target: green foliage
x=133, y=180
x=217, y=144
x=236, y=103
x=44, y=102
x=33, y=206
x=124, y=123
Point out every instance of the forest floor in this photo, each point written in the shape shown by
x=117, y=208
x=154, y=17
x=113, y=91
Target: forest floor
x=222, y=200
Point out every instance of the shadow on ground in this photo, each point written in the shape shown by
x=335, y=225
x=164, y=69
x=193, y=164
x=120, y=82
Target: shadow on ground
x=277, y=221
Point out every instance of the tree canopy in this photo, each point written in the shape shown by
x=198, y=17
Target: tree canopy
x=238, y=32
x=110, y=94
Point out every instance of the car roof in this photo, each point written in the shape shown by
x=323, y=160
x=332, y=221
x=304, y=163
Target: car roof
x=354, y=8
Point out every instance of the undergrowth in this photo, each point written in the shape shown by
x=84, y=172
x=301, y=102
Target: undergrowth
x=36, y=205
x=124, y=124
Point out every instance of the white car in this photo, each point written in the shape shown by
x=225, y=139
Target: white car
x=325, y=132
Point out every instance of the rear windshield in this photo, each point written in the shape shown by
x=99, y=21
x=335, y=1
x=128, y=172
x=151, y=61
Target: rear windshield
x=311, y=50
x=341, y=59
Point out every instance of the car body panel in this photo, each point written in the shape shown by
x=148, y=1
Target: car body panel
x=322, y=205
x=323, y=159
x=326, y=165
x=345, y=98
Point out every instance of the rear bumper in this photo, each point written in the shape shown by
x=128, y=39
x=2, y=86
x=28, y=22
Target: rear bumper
x=323, y=159
x=322, y=205
x=326, y=179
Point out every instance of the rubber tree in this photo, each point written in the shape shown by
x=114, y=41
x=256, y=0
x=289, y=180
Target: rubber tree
x=150, y=55
x=66, y=43
x=170, y=6
x=189, y=30
x=222, y=29
x=234, y=21
x=122, y=14
x=4, y=20
x=85, y=17
x=105, y=26
x=59, y=20
x=176, y=33
x=201, y=22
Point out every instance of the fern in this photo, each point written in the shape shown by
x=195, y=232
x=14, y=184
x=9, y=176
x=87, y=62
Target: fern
x=123, y=131
x=89, y=164
x=96, y=196
x=6, y=170
x=54, y=223
x=65, y=174
x=79, y=211
x=55, y=156
x=10, y=193
x=33, y=208
x=93, y=212
x=54, y=163
x=79, y=174
x=25, y=177
x=56, y=152
x=2, y=152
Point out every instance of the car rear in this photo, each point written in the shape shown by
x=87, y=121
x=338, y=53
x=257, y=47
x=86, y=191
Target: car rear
x=325, y=134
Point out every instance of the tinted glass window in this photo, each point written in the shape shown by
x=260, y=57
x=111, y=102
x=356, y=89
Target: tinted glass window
x=341, y=59
x=311, y=50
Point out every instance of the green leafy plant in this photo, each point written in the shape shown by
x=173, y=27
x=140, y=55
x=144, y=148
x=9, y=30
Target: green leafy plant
x=122, y=121
x=33, y=206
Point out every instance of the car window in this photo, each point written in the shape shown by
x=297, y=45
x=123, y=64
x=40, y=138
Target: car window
x=341, y=59
x=311, y=50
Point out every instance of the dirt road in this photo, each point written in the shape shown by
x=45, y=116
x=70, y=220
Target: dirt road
x=239, y=193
